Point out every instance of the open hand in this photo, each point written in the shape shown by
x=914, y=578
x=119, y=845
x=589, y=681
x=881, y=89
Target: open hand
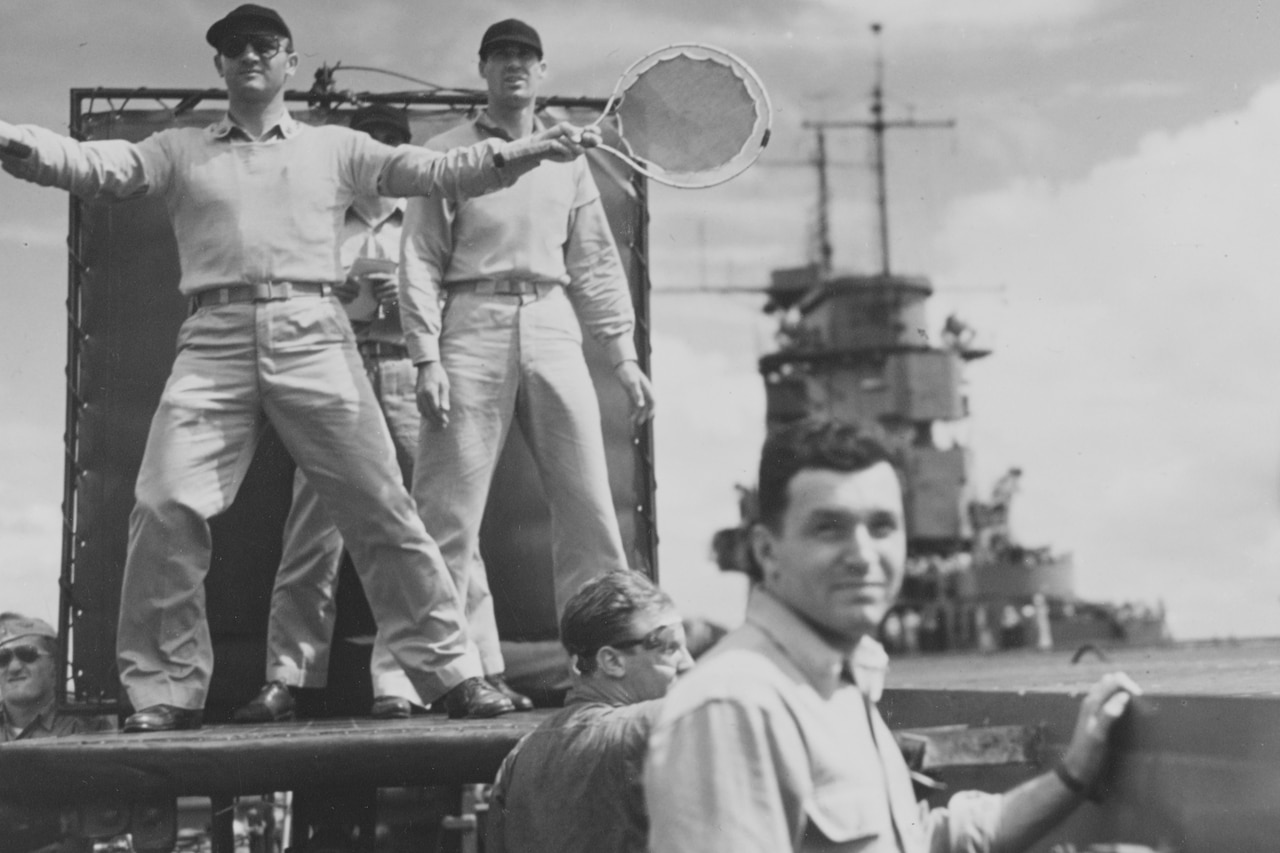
x=638, y=389
x=433, y=393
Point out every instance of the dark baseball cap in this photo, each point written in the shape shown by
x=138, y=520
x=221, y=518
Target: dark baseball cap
x=381, y=115
x=510, y=31
x=248, y=16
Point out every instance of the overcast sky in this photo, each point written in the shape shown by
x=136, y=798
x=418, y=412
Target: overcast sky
x=1103, y=213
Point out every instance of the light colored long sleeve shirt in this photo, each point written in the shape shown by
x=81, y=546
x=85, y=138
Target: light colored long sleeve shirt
x=768, y=746
x=550, y=227
x=372, y=230
x=246, y=211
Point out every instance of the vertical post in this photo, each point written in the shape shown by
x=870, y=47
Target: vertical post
x=824, y=204
x=877, y=127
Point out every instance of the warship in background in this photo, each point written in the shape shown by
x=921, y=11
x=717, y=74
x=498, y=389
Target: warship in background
x=857, y=346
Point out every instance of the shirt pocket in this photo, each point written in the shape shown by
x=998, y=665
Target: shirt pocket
x=844, y=818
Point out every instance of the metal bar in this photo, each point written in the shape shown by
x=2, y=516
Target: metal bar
x=70, y=436
x=336, y=98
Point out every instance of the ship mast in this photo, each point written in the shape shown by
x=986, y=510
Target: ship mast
x=878, y=125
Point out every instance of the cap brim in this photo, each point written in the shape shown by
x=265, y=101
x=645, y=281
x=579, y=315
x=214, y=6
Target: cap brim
x=520, y=42
x=224, y=28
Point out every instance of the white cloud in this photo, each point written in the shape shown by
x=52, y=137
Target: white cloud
x=708, y=430
x=1137, y=366
x=989, y=15
x=16, y=234
x=31, y=540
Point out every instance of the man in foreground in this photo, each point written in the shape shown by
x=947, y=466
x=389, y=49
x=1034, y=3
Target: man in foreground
x=774, y=742
x=256, y=202
x=518, y=269
x=573, y=784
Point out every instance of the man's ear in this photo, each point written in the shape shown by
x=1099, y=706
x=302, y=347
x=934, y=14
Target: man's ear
x=292, y=66
x=762, y=548
x=217, y=63
x=611, y=662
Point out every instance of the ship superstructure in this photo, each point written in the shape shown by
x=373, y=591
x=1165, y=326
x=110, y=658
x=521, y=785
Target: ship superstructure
x=859, y=346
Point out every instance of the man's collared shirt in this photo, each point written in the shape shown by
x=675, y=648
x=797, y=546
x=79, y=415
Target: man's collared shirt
x=768, y=746
x=51, y=723
x=549, y=227
x=245, y=210
x=573, y=784
x=372, y=230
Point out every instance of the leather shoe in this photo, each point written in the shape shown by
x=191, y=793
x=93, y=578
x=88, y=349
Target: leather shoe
x=520, y=701
x=273, y=704
x=475, y=698
x=164, y=718
x=390, y=708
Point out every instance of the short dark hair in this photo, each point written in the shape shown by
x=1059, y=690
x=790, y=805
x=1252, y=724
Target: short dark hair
x=602, y=610
x=815, y=442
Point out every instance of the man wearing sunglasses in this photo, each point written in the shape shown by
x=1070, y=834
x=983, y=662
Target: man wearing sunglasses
x=256, y=201
x=301, y=622
x=573, y=784
x=28, y=710
x=28, y=680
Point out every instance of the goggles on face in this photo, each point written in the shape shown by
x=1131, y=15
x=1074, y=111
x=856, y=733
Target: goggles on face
x=664, y=639
x=266, y=46
x=26, y=654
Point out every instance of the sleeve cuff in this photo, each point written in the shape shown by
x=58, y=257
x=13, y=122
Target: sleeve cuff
x=620, y=349
x=422, y=348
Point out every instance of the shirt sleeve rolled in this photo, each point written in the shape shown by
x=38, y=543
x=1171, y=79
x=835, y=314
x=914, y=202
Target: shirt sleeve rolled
x=969, y=823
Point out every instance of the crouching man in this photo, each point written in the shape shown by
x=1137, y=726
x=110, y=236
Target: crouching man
x=573, y=784
x=772, y=744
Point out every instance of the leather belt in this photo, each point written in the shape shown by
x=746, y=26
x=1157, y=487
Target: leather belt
x=503, y=286
x=264, y=292
x=379, y=349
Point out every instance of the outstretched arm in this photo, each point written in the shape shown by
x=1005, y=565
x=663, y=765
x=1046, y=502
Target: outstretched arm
x=112, y=168
x=481, y=168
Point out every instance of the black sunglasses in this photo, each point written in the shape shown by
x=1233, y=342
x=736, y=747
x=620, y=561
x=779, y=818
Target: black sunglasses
x=266, y=46
x=663, y=639
x=26, y=654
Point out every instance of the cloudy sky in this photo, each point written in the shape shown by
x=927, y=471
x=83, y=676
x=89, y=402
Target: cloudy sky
x=1103, y=213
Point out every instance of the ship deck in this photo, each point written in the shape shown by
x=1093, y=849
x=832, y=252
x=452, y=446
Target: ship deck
x=237, y=759
x=1221, y=668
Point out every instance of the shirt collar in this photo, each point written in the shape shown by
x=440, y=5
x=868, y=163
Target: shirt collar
x=286, y=128
x=373, y=219
x=823, y=666
x=43, y=720
x=488, y=126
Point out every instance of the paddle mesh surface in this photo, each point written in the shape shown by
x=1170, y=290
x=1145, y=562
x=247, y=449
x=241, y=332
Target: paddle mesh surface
x=692, y=115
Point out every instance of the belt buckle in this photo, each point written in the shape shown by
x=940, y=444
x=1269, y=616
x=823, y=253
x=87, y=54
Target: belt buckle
x=271, y=291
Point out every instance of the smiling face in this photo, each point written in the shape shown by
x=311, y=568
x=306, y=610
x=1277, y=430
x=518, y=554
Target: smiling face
x=28, y=685
x=513, y=73
x=249, y=75
x=836, y=556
